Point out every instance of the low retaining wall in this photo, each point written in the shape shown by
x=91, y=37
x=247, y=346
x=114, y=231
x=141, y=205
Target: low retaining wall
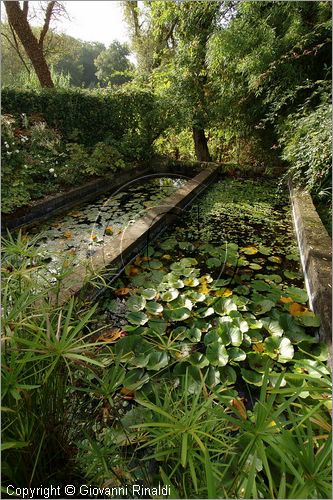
x=316, y=256
x=29, y=216
x=121, y=250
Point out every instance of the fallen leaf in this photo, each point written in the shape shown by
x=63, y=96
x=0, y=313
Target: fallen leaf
x=285, y=300
x=249, y=250
x=68, y=234
x=126, y=393
x=111, y=335
x=296, y=309
x=258, y=347
x=240, y=407
x=122, y=292
x=109, y=230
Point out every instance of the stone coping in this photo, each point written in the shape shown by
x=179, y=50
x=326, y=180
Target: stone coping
x=121, y=250
x=316, y=257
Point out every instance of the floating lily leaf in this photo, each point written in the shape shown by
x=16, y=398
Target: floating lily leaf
x=275, y=377
x=270, y=277
x=263, y=306
x=149, y=293
x=204, y=312
x=194, y=334
x=157, y=360
x=260, y=286
x=198, y=359
x=135, y=379
x=188, y=262
x=154, y=307
x=264, y=250
x=255, y=267
x=242, y=290
x=279, y=348
x=152, y=264
x=137, y=318
x=297, y=294
x=291, y=275
x=217, y=354
x=174, y=281
x=191, y=282
x=223, y=292
x=224, y=306
x=255, y=336
x=257, y=361
x=220, y=283
x=293, y=256
x=158, y=325
x=136, y=303
x=179, y=333
x=170, y=295
x=252, y=377
x=228, y=375
x=196, y=297
x=213, y=262
x=319, y=351
x=178, y=314
x=272, y=327
x=181, y=301
x=185, y=245
x=213, y=376
x=309, y=319
x=236, y=354
x=275, y=258
x=249, y=250
x=168, y=244
x=213, y=336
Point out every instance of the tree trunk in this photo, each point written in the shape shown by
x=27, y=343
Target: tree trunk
x=34, y=50
x=200, y=145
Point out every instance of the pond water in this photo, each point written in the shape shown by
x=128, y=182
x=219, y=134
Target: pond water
x=81, y=231
x=219, y=296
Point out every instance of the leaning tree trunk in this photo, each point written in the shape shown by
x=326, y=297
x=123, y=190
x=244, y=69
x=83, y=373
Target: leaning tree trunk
x=33, y=49
x=201, y=145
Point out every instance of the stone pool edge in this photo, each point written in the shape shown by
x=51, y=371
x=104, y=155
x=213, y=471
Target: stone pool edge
x=316, y=256
x=121, y=250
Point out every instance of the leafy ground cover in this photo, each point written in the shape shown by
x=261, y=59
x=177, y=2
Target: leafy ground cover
x=80, y=232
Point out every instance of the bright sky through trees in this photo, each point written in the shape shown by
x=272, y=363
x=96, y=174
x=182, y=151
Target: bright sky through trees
x=94, y=21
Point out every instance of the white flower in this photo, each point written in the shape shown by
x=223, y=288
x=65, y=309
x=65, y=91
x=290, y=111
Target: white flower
x=6, y=145
x=25, y=166
x=51, y=170
x=55, y=175
x=16, y=151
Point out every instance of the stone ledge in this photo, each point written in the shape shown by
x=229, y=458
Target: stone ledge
x=316, y=257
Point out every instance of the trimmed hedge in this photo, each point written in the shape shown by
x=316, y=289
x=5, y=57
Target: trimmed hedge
x=85, y=116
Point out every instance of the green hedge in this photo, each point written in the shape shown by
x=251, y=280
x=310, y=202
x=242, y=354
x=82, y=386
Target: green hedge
x=128, y=117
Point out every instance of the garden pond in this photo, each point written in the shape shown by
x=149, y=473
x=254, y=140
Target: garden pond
x=219, y=298
x=81, y=231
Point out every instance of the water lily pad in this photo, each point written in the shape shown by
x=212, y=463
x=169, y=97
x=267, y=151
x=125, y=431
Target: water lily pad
x=149, y=293
x=217, y=354
x=213, y=262
x=168, y=244
x=255, y=267
x=257, y=361
x=136, y=303
x=204, y=312
x=177, y=314
x=152, y=264
x=272, y=327
x=228, y=375
x=154, y=307
x=188, y=262
x=198, y=359
x=137, y=318
x=275, y=258
x=252, y=377
x=192, y=282
x=135, y=379
x=158, y=325
x=297, y=294
x=170, y=295
x=224, y=306
x=249, y=250
x=279, y=348
x=291, y=275
x=263, y=306
x=236, y=354
x=264, y=250
x=196, y=296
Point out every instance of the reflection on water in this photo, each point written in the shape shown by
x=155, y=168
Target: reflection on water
x=78, y=233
